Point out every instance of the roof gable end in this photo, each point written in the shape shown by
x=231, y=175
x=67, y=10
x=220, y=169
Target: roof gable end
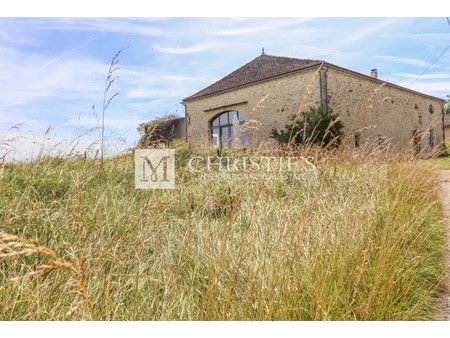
x=262, y=68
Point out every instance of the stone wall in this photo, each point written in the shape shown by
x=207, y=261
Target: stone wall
x=281, y=97
x=376, y=112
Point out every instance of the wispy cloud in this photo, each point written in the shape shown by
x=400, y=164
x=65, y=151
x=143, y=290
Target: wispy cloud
x=14, y=38
x=177, y=78
x=146, y=83
x=368, y=30
x=145, y=93
x=124, y=26
x=402, y=60
x=436, y=88
x=239, y=31
x=103, y=25
x=22, y=81
x=186, y=50
x=435, y=76
x=239, y=27
x=115, y=122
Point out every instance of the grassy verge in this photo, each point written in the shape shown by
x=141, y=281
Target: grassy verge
x=442, y=162
x=362, y=240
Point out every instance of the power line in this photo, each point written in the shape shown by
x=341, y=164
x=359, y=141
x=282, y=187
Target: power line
x=431, y=65
x=437, y=59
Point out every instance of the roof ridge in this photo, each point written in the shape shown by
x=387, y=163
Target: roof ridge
x=266, y=66
x=261, y=68
x=289, y=57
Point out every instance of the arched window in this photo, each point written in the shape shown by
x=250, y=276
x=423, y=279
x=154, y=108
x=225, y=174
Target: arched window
x=226, y=129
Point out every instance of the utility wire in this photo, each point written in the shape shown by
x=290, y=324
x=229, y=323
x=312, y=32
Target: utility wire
x=432, y=64
x=437, y=59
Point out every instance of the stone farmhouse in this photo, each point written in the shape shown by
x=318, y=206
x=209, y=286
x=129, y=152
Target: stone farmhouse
x=263, y=93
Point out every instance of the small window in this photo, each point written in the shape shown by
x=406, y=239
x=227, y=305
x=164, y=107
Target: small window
x=380, y=139
x=432, y=138
x=431, y=109
x=357, y=140
x=416, y=141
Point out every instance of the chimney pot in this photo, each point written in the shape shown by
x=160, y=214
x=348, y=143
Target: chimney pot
x=374, y=73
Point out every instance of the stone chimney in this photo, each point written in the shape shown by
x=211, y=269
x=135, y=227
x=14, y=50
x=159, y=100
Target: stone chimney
x=374, y=73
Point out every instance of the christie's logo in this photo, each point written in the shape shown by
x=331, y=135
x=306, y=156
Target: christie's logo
x=154, y=168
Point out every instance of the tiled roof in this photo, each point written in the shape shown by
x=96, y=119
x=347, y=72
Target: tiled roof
x=262, y=68
x=265, y=67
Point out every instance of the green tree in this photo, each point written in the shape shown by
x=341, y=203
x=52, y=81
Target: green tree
x=311, y=127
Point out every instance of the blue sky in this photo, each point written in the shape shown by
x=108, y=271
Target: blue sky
x=53, y=69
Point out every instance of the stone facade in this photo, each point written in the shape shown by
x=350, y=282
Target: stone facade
x=375, y=111
x=382, y=112
x=266, y=105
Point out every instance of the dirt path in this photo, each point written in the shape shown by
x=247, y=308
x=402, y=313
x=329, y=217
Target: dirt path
x=445, y=187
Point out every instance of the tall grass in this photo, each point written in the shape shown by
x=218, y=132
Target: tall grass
x=363, y=239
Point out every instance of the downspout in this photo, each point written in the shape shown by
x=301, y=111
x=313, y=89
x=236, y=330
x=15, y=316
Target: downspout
x=185, y=121
x=323, y=83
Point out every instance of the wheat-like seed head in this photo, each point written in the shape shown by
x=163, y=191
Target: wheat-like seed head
x=11, y=245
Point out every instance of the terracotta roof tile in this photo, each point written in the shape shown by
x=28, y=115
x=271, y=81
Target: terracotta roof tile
x=262, y=68
x=265, y=67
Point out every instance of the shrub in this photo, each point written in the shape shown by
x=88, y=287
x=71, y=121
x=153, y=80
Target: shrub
x=315, y=126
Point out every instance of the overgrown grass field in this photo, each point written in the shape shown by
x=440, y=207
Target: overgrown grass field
x=362, y=239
